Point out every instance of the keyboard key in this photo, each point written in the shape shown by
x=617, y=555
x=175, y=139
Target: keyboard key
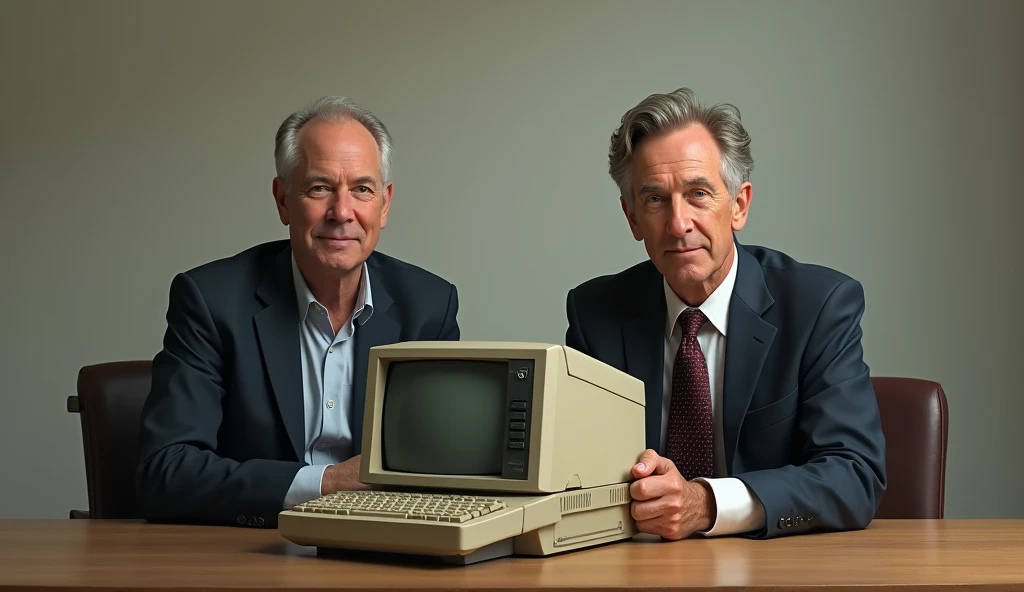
x=379, y=514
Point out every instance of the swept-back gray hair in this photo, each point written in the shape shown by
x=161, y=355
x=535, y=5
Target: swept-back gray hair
x=665, y=112
x=334, y=109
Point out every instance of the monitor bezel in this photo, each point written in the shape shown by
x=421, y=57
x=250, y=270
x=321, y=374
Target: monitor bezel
x=372, y=472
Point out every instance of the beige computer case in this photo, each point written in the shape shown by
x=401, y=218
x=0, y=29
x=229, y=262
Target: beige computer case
x=587, y=427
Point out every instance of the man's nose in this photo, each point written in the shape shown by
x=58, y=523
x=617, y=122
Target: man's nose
x=341, y=207
x=682, y=218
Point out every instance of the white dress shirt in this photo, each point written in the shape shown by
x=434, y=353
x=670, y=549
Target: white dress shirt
x=328, y=361
x=738, y=509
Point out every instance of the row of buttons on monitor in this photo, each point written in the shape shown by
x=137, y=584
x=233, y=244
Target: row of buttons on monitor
x=517, y=426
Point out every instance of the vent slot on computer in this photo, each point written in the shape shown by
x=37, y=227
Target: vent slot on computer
x=619, y=495
x=576, y=501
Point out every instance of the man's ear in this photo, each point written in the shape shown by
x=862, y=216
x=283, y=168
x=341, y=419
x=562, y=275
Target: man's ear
x=741, y=205
x=280, y=190
x=631, y=218
x=389, y=192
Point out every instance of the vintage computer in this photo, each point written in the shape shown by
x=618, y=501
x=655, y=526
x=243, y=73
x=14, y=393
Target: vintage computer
x=476, y=450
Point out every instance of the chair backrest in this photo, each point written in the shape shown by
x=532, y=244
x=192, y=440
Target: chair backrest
x=110, y=398
x=915, y=422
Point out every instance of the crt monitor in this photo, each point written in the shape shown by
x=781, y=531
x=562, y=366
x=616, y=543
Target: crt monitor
x=499, y=417
x=477, y=450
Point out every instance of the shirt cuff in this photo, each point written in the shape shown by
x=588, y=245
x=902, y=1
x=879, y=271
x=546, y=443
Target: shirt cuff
x=738, y=509
x=305, y=486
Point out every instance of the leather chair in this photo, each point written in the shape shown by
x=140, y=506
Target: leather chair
x=110, y=397
x=109, y=403
x=915, y=422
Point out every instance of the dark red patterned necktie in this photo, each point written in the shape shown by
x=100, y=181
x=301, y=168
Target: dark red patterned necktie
x=689, y=441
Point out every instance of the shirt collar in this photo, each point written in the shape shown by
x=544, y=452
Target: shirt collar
x=715, y=307
x=305, y=299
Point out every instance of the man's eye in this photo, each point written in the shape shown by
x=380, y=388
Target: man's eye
x=319, y=189
x=362, y=189
x=701, y=193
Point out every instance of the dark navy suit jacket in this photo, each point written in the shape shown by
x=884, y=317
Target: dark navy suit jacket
x=800, y=416
x=222, y=429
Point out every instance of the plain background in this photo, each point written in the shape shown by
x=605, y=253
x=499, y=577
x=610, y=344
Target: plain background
x=137, y=142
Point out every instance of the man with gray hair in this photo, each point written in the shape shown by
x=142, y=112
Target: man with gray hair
x=256, y=402
x=761, y=418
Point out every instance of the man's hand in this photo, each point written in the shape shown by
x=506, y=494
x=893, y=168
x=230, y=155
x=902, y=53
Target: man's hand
x=342, y=477
x=664, y=503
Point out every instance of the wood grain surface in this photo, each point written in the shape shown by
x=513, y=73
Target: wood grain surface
x=906, y=555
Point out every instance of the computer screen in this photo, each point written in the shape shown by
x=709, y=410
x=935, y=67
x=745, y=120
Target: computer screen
x=502, y=417
x=440, y=417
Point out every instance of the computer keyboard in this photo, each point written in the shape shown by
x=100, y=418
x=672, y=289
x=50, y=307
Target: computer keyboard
x=434, y=507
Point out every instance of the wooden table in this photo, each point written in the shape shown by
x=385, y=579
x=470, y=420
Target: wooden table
x=909, y=555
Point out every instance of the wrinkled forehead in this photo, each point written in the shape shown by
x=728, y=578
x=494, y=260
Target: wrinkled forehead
x=675, y=159
x=338, y=145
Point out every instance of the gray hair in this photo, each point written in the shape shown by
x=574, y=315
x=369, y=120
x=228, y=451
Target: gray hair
x=664, y=112
x=334, y=109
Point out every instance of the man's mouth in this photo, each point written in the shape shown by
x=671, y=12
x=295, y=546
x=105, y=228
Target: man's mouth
x=338, y=240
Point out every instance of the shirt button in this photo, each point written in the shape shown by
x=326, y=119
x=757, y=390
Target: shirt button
x=330, y=404
x=330, y=350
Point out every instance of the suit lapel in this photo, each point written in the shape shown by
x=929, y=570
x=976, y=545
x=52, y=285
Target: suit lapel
x=380, y=329
x=750, y=338
x=277, y=329
x=643, y=340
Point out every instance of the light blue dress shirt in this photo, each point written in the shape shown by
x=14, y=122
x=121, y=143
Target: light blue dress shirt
x=327, y=380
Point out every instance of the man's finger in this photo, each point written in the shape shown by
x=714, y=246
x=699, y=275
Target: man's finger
x=656, y=526
x=664, y=466
x=647, y=510
x=656, y=486
x=646, y=464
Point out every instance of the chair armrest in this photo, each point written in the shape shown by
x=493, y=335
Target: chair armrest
x=78, y=514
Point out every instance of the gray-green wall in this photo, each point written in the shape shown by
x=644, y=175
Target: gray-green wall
x=136, y=142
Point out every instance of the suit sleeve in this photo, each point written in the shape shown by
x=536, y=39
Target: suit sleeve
x=450, y=326
x=179, y=477
x=839, y=478
x=574, y=333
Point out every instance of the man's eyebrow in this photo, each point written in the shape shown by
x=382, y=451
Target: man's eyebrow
x=698, y=182
x=691, y=182
x=365, y=181
x=317, y=179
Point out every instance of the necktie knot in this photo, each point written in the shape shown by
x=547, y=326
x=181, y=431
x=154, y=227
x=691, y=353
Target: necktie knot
x=691, y=321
